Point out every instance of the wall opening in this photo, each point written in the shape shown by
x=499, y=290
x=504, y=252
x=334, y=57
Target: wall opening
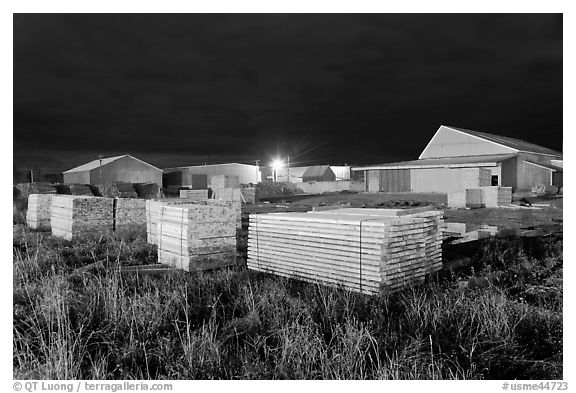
x=494, y=180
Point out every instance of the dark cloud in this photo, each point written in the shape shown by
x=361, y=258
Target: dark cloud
x=181, y=89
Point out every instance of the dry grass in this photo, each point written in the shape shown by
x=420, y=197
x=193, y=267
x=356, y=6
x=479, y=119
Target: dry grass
x=500, y=319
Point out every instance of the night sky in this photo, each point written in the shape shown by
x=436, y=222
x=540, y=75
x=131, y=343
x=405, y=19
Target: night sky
x=360, y=89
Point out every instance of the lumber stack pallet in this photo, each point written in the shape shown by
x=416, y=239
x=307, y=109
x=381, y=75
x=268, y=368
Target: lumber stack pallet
x=194, y=194
x=225, y=188
x=153, y=211
x=362, y=250
x=129, y=211
x=38, y=213
x=73, y=215
x=196, y=237
x=228, y=194
x=496, y=196
x=224, y=181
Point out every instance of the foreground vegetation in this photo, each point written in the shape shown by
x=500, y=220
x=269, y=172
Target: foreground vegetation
x=500, y=317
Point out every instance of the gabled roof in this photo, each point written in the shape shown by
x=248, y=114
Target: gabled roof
x=316, y=171
x=445, y=162
x=545, y=166
x=210, y=165
x=97, y=163
x=512, y=143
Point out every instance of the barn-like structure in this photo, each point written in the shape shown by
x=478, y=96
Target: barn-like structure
x=120, y=169
x=183, y=175
x=456, y=158
x=318, y=173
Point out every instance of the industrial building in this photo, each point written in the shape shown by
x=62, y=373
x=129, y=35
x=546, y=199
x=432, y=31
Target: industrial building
x=456, y=158
x=120, y=169
x=246, y=173
x=318, y=173
x=341, y=172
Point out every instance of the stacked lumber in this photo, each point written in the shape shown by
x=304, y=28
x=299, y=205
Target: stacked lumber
x=73, y=215
x=360, y=249
x=495, y=196
x=196, y=237
x=224, y=181
x=473, y=197
x=225, y=188
x=457, y=199
x=129, y=211
x=228, y=194
x=38, y=213
x=194, y=194
x=154, y=208
x=432, y=231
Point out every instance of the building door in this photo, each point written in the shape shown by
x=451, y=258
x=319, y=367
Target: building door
x=494, y=180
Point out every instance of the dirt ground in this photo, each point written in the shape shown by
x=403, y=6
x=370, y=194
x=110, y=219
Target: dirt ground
x=549, y=218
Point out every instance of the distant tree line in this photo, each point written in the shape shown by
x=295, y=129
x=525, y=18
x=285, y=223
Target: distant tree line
x=35, y=174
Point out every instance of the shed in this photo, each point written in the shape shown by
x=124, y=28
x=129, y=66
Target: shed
x=319, y=173
x=119, y=169
x=456, y=158
x=246, y=173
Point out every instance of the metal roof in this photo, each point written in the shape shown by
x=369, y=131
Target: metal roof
x=545, y=166
x=446, y=162
x=509, y=142
x=316, y=171
x=104, y=161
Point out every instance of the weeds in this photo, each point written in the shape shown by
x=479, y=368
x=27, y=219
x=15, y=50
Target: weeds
x=505, y=322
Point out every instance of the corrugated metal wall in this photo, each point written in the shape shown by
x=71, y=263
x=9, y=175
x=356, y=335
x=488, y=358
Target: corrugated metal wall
x=444, y=179
x=558, y=179
x=246, y=173
x=373, y=181
x=77, y=177
x=395, y=180
x=126, y=169
x=532, y=175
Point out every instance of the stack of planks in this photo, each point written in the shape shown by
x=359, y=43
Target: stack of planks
x=196, y=237
x=457, y=199
x=73, y=215
x=496, y=196
x=473, y=197
x=225, y=188
x=38, y=214
x=154, y=208
x=194, y=194
x=228, y=194
x=129, y=212
x=363, y=250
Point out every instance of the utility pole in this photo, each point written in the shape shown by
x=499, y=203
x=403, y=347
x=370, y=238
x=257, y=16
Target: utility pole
x=288, y=170
x=100, y=168
x=257, y=170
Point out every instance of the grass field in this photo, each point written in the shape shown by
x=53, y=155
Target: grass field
x=498, y=317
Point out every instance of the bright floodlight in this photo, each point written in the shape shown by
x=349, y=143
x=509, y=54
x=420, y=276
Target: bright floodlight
x=277, y=164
